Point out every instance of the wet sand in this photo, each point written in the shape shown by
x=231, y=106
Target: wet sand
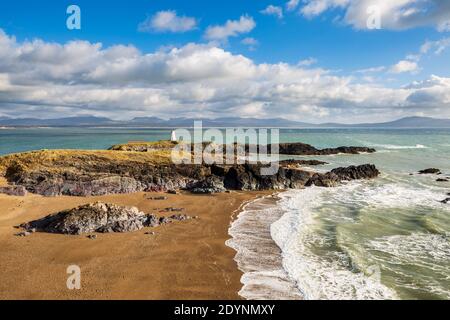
x=184, y=260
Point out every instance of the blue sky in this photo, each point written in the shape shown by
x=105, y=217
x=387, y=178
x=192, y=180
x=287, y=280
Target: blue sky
x=330, y=40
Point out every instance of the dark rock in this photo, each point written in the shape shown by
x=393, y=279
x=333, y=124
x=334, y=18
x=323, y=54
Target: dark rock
x=333, y=178
x=209, y=185
x=17, y=191
x=164, y=220
x=97, y=217
x=23, y=234
x=171, y=209
x=92, y=237
x=445, y=201
x=300, y=149
x=297, y=163
x=367, y=171
x=180, y=217
x=430, y=171
x=328, y=180
x=442, y=180
x=157, y=198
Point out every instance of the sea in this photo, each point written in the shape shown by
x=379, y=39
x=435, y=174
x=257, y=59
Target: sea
x=387, y=238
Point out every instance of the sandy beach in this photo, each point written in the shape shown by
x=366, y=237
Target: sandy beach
x=184, y=260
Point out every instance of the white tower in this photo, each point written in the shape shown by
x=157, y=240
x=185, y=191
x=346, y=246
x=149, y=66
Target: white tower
x=173, y=137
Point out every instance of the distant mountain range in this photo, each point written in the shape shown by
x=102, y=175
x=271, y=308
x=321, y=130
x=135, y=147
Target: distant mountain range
x=154, y=122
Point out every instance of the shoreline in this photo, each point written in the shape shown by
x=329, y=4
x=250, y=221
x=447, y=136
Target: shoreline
x=186, y=260
x=257, y=254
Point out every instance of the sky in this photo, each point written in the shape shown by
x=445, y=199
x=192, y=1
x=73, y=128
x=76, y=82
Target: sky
x=306, y=60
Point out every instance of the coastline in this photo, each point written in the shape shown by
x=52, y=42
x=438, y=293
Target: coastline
x=258, y=255
x=186, y=260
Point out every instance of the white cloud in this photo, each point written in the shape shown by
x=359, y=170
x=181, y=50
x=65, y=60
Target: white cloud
x=438, y=46
x=292, y=5
x=372, y=70
x=307, y=62
x=231, y=28
x=395, y=14
x=43, y=79
x=250, y=41
x=167, y=21
x=404, y=66
x=273, y=11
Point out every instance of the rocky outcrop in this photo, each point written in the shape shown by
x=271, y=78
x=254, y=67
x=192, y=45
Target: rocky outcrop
x=99, y=217
x=299, y=163
x=430, y=171
x=301, y=149
x=95, y=173
x=209, y=185
x=17, y=191
x=333, y=178
x=446, y=201
x=101, y=178
x=96, y=217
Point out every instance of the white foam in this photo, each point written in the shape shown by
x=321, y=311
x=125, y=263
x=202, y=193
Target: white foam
x=257, y=254
x=392, y=195
x=317, y=276
x=430, y=254
x=397, y=147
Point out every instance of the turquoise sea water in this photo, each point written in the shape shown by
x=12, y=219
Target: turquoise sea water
x=380, y=239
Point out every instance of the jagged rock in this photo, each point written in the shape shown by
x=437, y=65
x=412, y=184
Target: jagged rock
x=293, y=162
x=333, y=178
x=300, y=149
x=430, y=171
x=180, y=217
x=324, y=180
x=23, y=234
x=94, y=175
x=171, y=209
x=209, y=185
x=97, y=217
x=157, y=198
x=366, y=171
x=17, y=191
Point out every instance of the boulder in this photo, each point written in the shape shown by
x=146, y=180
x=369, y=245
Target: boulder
x=430, y=171
x=333, y=178
x=442, y=180
x=96, y=217
x=300, y=149
x=445, y=201
x=209, y=185
x=17, y=191
x=366, y=171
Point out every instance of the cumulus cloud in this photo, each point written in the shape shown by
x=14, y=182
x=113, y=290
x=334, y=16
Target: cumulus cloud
x=395, y=14
x=231, y=28
x=292, y=5
x=47, y=79
x=438, y=46
x=167, y=21
x=404, y=66
x=272, y=10
x=307, y=62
